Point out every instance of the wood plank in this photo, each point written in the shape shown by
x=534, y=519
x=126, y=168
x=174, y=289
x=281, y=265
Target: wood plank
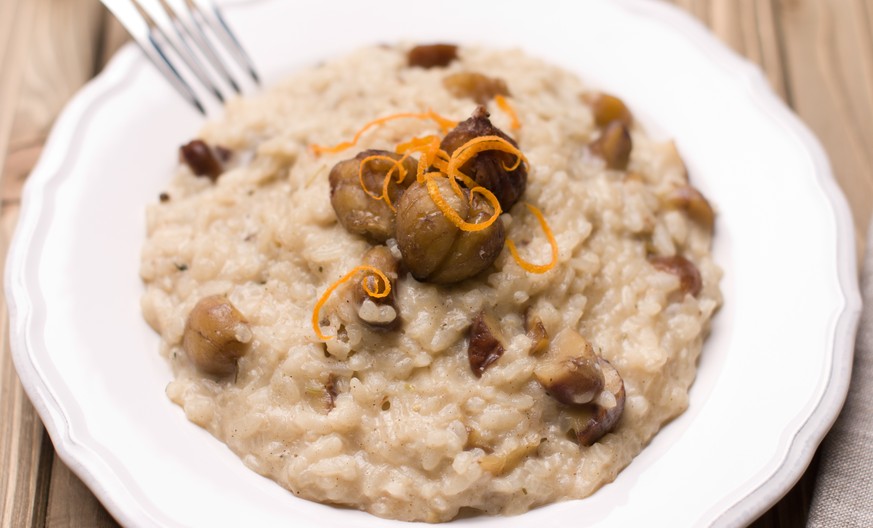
x=48, y=49
x=62, y=45
x=748, y=26
x=25, y=450
x=829, y=61
x=114, y=36
x=16, y=20
x=71, y=504
x=698, y=8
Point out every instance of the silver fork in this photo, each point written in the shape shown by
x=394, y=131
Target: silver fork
x=165, y=29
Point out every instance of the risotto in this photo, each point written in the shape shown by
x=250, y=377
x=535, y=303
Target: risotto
x=431, y=280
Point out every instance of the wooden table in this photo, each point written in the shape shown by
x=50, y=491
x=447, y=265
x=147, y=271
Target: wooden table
x=817, y=54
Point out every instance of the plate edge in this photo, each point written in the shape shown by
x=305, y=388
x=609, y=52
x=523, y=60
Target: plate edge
x=804, y=442
x=843, y=326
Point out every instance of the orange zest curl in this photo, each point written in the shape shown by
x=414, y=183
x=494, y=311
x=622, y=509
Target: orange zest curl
x=442, y=164
x=452, y=166
x=376, y=294
x=428, y=147
x=444, y=123
x=418, y=144
x=536, y=268
x=433, y=191
x=507, y=109
x=398, y=165
x=480, y=144
x=401, y=176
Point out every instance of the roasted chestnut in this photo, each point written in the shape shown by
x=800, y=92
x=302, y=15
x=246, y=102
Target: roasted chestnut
x=204, y=160
x=378, y=312
x=432, y=55
x=436, y=250
x=480, y=88
x=601, y=416
x=571, y=372
x=589, y=386
x=360, y=211
x=689, y=276
x=608, y=108
x=486, y=343
x=216, y=336
x=690, y=200
x=614, y=145
x=489, y=168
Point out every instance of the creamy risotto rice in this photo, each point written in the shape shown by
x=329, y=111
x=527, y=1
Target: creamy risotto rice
x=394, y=420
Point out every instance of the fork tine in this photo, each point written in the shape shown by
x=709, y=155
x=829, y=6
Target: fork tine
x=219, y=27
x=194, y=30
x=159, y=19
x=139, y=30
x=186, y=36
x=176, y=79
x=168, y=30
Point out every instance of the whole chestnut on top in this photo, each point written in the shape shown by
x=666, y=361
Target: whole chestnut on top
x=436, y=250
x=489, y=168
x=362, y=213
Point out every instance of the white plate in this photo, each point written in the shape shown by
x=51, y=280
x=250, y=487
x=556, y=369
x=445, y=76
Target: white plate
x=772, y=377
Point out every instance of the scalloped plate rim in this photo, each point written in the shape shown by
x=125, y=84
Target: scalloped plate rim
x=98, y=474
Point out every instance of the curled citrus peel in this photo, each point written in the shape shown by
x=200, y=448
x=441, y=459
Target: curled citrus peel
x=503, y=104
x=398, y=166
x=386, y=182
x=419, y=144
x=433, y=191
x=483, y=143
x=376, y=294
x=428, y=147
x=443, y=122
x=528, y=266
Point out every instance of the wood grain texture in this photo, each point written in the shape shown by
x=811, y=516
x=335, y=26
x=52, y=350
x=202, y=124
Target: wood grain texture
x=63, y=43
x=23, y=446
x=16, y=19
x=25, y=451
x=829, y=67
x=749, y=28
x=71, y=504
x=48, y=49
x=114, y=36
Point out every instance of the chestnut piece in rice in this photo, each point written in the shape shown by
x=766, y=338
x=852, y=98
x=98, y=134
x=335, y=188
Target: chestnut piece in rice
x=203, y=159
x=480, y=88
x=379, y=313
x=216, y=336
x=432, y=55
